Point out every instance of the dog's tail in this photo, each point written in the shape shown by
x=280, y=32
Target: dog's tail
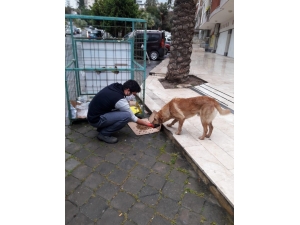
x=220, y=110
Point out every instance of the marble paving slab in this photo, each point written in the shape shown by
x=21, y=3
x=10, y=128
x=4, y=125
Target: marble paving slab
x=215, y=155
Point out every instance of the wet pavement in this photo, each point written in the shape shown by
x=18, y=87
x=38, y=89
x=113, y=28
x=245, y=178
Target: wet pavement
x=140, y=180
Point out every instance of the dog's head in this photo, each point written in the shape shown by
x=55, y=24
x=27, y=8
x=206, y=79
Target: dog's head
x=156, y=118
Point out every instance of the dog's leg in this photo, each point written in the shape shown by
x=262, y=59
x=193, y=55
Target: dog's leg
x=204, y=125
x=173, y=122
x=210, y=129
x=180, y=123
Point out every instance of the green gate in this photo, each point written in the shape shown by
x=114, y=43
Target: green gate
x=103, y=53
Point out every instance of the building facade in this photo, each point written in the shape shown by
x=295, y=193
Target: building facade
x=141, y=3
x=215, y=26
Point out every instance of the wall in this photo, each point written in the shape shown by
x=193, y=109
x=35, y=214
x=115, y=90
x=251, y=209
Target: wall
x=231, y=45
x=222, y=43
x=214, y=5
x=227, y=25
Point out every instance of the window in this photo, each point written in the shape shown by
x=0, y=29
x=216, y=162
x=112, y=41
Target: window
x=153, y=37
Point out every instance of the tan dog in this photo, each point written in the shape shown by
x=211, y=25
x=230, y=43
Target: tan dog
x=180, y=109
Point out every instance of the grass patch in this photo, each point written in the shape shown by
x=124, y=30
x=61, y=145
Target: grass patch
x=202, y=219
x=187, y=190
x=173, y=222
x=69, y=172
x=174, y=158
x=162, y=149
x=183, y=170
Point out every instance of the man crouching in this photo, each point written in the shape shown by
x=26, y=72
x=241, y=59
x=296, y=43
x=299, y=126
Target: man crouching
x=109, y=110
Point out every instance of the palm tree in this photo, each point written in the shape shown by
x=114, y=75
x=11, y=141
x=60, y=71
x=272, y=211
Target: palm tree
x=182, y=35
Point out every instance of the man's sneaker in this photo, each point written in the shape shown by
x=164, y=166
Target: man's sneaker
x=107, y=139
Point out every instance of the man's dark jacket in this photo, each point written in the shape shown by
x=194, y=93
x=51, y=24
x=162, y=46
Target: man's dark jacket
x=104, y=101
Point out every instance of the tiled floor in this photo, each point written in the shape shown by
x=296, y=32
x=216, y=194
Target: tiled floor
x=215, y=156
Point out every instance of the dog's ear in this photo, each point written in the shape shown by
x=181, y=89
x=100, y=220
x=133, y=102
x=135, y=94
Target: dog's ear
x=158, y=117
x=151, y=118
x=153, y=113
x=160, y=120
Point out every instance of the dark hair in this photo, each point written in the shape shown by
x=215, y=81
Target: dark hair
x=132, y=85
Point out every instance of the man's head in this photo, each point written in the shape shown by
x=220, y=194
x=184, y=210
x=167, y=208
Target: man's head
x=131, y=87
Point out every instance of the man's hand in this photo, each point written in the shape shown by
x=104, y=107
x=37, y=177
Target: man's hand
x=150, y=125
x=146, y=122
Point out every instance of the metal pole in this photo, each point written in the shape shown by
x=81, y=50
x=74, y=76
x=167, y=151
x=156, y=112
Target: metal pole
x=144, y=60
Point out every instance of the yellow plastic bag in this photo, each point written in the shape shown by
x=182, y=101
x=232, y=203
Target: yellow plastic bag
x=136, y=109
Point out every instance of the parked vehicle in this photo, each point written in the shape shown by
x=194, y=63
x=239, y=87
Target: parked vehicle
x=168, y=43
x=155, y=43
x=98, y=34
x=168, y=40
x=68, y=31
x=127, y=35
x=167, y=47
x=167, y=33
x=78, y=30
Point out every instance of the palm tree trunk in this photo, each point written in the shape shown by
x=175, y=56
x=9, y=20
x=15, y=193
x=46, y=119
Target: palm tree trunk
x=182, y=36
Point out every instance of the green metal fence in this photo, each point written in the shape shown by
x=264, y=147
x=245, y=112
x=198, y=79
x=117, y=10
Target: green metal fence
x=92, y=63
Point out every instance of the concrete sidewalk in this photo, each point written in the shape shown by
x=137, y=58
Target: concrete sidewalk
x=213, y=157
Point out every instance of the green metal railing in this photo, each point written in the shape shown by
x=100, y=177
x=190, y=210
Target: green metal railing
x=92, y=64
